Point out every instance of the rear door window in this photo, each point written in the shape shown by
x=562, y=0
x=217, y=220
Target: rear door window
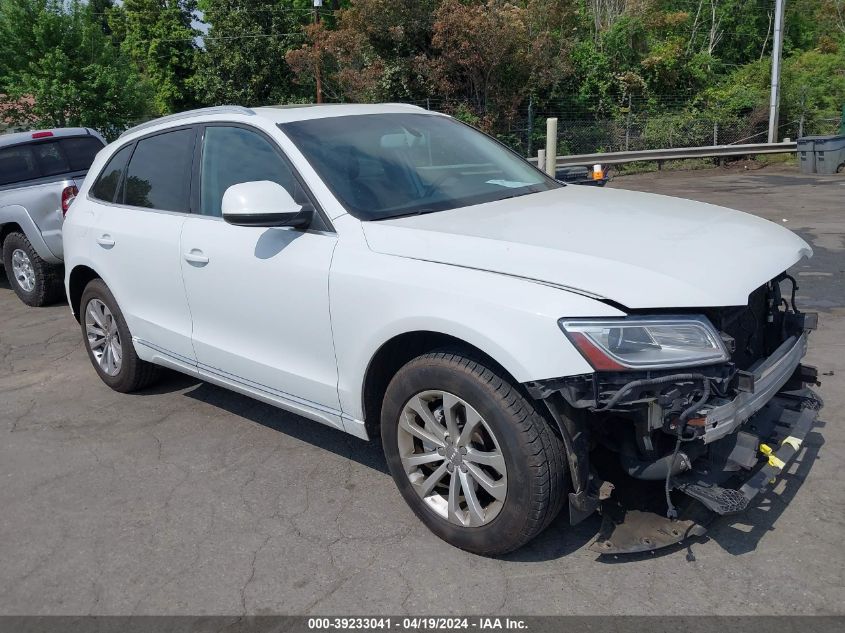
x=159, y=172
x=106, y=186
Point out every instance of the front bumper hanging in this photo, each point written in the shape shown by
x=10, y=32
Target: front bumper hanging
x=782, y=425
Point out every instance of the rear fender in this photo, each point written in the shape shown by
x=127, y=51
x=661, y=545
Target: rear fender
x=14, y=213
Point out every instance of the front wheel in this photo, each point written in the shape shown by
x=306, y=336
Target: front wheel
x=470, y=454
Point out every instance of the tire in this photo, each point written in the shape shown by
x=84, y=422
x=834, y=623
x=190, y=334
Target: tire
x=536, y=479
x=39, y=283
x=127, y=374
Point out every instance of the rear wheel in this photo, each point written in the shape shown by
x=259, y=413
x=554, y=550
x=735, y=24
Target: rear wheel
x=470, y=454
x=35, y=281
x=109, y=342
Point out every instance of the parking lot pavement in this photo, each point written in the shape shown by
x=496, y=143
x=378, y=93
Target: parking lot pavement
x=190, y=499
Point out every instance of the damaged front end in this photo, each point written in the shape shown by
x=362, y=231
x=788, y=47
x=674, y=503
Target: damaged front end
x=687, y=416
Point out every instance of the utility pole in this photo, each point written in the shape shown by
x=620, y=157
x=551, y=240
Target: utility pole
x=774, y=95
x=318, y=63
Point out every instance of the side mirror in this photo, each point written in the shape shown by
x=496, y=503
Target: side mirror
x=264, y=203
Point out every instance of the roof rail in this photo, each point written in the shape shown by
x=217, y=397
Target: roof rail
x=224, y=109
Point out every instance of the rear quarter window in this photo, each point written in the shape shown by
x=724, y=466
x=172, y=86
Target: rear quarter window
x=106, y=185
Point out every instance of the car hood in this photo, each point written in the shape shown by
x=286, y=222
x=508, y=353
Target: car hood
x=640, y=250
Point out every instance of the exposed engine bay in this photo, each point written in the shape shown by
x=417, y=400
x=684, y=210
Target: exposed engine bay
x=658, y=451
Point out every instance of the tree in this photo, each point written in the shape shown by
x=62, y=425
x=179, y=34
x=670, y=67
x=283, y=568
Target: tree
x=158, y=37
x=349, y=68
x=487, y=55
x=243, y=61
x=369, y=55
x=500, y=64
x=100, y=11
x=813, y=91
x=60, y=69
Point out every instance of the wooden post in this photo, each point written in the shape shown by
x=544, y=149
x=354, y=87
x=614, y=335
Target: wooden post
x=551, y=146
x=541, y=159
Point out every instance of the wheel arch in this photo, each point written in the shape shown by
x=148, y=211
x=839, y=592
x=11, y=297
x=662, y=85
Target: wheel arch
x=15, y=218
x=402, y=348
x=78, y=278
x=9, y=227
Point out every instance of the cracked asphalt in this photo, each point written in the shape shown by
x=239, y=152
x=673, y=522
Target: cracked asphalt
x=188, y=499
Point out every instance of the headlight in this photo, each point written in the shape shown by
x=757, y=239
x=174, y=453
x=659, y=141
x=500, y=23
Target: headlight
x=646, y=342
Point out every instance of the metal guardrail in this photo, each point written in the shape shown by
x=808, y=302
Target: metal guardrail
x=660, y=155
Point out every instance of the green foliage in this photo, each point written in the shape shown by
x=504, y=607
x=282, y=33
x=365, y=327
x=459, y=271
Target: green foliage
x=665, y=69
x=244, y=57
x=60, y=69
x=159, y=38
x=813, y=89
x=677, y=129
x=625, y=42
x=462, y=112
x=814, y=84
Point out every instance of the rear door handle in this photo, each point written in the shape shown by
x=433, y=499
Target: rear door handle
x=196, y=256
x=105, y=241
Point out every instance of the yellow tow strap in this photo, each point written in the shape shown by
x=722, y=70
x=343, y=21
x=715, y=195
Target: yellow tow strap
x=774, y=462
x=794, y=442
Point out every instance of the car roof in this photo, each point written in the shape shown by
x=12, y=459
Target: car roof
x=288, y=113
x=16, y=138
x=279, y=114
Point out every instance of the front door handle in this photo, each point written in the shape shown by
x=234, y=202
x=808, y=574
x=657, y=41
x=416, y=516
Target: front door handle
x=105, y=241
x=196, y=256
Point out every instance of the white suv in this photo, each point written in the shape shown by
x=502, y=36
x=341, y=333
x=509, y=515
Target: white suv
x=518, y=344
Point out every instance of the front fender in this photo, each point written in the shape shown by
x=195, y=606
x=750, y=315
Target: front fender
x=377, y=297
x=20, y=216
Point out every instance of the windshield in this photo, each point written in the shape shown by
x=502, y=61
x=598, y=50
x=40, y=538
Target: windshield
x=381, y=166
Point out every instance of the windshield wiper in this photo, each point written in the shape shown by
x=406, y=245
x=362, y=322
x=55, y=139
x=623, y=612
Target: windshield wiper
x=520, y=194
x=405, y=214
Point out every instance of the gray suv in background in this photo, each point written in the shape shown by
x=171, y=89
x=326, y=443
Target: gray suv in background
x=40, y=174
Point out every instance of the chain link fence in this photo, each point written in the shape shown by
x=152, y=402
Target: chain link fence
x=638, y=126
x=668, y=131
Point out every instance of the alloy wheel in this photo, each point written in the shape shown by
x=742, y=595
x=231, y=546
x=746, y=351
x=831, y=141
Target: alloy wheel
x=452, y=458
x=103, y=337
x=22, y=270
